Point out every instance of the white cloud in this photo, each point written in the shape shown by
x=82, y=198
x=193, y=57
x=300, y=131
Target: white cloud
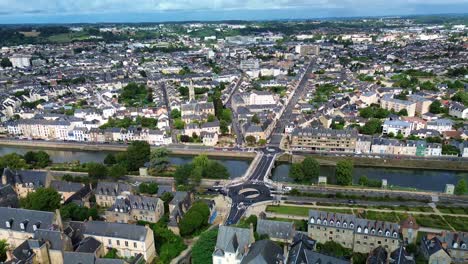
x=107, y=6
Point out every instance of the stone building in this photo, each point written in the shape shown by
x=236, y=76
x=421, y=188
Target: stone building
x=133, y=208
x=107, y=192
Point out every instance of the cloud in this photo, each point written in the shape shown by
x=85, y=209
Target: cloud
x=105, y=6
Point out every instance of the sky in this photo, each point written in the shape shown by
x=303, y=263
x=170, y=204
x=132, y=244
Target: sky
x=93, y=11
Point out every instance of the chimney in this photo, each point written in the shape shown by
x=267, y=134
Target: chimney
x=90, y=218
x=4, y=179
x=58, y=218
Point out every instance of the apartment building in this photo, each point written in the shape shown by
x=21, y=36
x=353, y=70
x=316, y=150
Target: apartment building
x=133, y=208
x=362, y=235
x=128, y=240
x=25, y=181
x=107, y=192
x=389, y=103
x=323, y=140
x=422, y=104
x=396, y=127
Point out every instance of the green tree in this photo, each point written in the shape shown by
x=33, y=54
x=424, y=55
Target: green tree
x=43, y=199
x=195, y=218
x=334, y=249
x=372, y=127
x=211, y=118
x=201, y=161
x=117, y=171
x=138, y=153
x=110, y=159
x=3, y=250
x=250, y=140
x=75, y=212
x=148, y=188
x=38, y=159
x=179, y=124
x=97, y=170
x=296, y=172
x=436, y=107
x=461, y=188
x=311, y=168
x=255, y=119
x=175, y=113
x=226, y=115
x=159, y=159
x=215, y=170
x=111, y=254
x=344, y=172
x=223, y=126
x=13, y=161
x=202, y=250
x=5, y=62
x=363, y=181
x=182, y=173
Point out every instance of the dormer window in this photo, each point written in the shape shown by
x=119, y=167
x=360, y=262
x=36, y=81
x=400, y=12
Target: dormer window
x=319, y=221
x=345, y=225
x=331, y=222
x=324, y=222
x=8, y=223
x=359, y=229
x=338, y=223
x=463, y=246
x=36, y=226
x=380, y=232
x=372, y=231
x=351, y=225
x=23, y=224
x=366, y=230
x=312, y=220
x=387, y=233
x=395, y=234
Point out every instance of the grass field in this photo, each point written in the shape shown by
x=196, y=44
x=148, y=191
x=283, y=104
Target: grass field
x=301, y=225
x=301, y=211
x=459, y=223
x=433, y=221
x=453, y=210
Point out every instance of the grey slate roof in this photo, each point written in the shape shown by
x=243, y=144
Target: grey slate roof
x=264, y=252
x=64, y=186
x=300, y=245
x=232, y=238
x=37, y=178
x=117, y=230
x=276, y=229
x=15, y=217
x=88, y=245
x=316, y=257
x=8, y=197
x=400, y=256
x=112, y=188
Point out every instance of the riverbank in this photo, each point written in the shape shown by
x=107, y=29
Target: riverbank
x=121, y=147
x=382, y=162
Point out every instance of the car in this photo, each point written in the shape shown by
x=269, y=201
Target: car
x=351, y=202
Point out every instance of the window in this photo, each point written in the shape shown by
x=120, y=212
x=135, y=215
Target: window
x=135, y=245
x=312, y=220
x=126, y=243
x=118, y=242
x=359, y=229
x=109, y=242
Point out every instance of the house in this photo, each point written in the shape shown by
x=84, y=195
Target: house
x=378, y=255
x=362, y=235
x=440, y=125
x=464, y=149
x=66, y=189
x=363, y=144
x=8, y=197
x=458, y=110
x=132, y=208
x=276, y=230
x=409, y=229
x=232, y=244
x=302, y=251
x=107, y=192
x=432, y=250
x=128, y=240
x=396, y=127
x=456, y=244
x=178, y=206
x=264, y=251
x=25, y=181
x=401, y=256
x=18, y=225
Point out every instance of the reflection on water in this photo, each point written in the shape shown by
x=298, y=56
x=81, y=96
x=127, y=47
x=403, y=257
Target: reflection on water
x=432, y=180
x=235, y=167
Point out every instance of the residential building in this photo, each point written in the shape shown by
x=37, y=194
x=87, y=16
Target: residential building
x=264, y=251
x=323, y=140
x=18, y=225
x=396, y=127
x=401, y=256
x=67, y=189
x=302, y=251
x=132, y=208
x=389, y=103
x=128, y=240
x=432, y=250
x=422, y=104
x=456, y=244
x=440, y=125
x=458, y=110
x=232, y=244
x=276, y=230
x=361, y=235
x=107, y=192
x=25, y=181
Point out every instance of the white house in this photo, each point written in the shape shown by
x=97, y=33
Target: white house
x=395, y=127
x=458, y=110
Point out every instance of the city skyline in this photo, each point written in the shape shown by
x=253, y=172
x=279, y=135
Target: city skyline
x=186, y=10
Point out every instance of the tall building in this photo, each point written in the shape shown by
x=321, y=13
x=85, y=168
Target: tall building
x=323, y=140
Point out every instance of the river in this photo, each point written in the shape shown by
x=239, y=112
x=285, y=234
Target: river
x=235, y=167
x=430, y=180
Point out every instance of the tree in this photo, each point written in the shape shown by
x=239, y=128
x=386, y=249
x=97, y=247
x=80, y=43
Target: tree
x=226, y=115
x=179, y=124
x=461, y=188
x=75, y=212
x=211, y=118
x=110, y=159
x=262, y=142
x=215, y=170
x=43, y=199
x=138, y=154
x=175, y=113
x=159, y=159
x=111, y=254
x=363, y=181
x=296, y=172
x=371, y=127
x=202, y=250
x=195, y=218
x=334, y=249
x=344, y=172
x=182, y=173
x=311, y=168
x=201, y=161
x=117, y=171
x=3, y=250
x=97, y=170
x=250, y=140
x=403, y=112
x=436, y=107
x=148, y=188
x=223, y=126
x=38, y=159
x=13, y=161
x=5, y=63
x=255, y=119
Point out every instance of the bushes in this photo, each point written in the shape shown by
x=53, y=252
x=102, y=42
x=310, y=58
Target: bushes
x=76, y=213
x=195, y=219
x=203, y=249
x=43, y=199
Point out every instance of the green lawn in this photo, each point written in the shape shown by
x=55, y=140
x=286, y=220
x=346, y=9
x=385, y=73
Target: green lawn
x=459, y=223
x=433, y=221
x=301, y=225
x=382, y=216
x=453, y=210
x=301, y=211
